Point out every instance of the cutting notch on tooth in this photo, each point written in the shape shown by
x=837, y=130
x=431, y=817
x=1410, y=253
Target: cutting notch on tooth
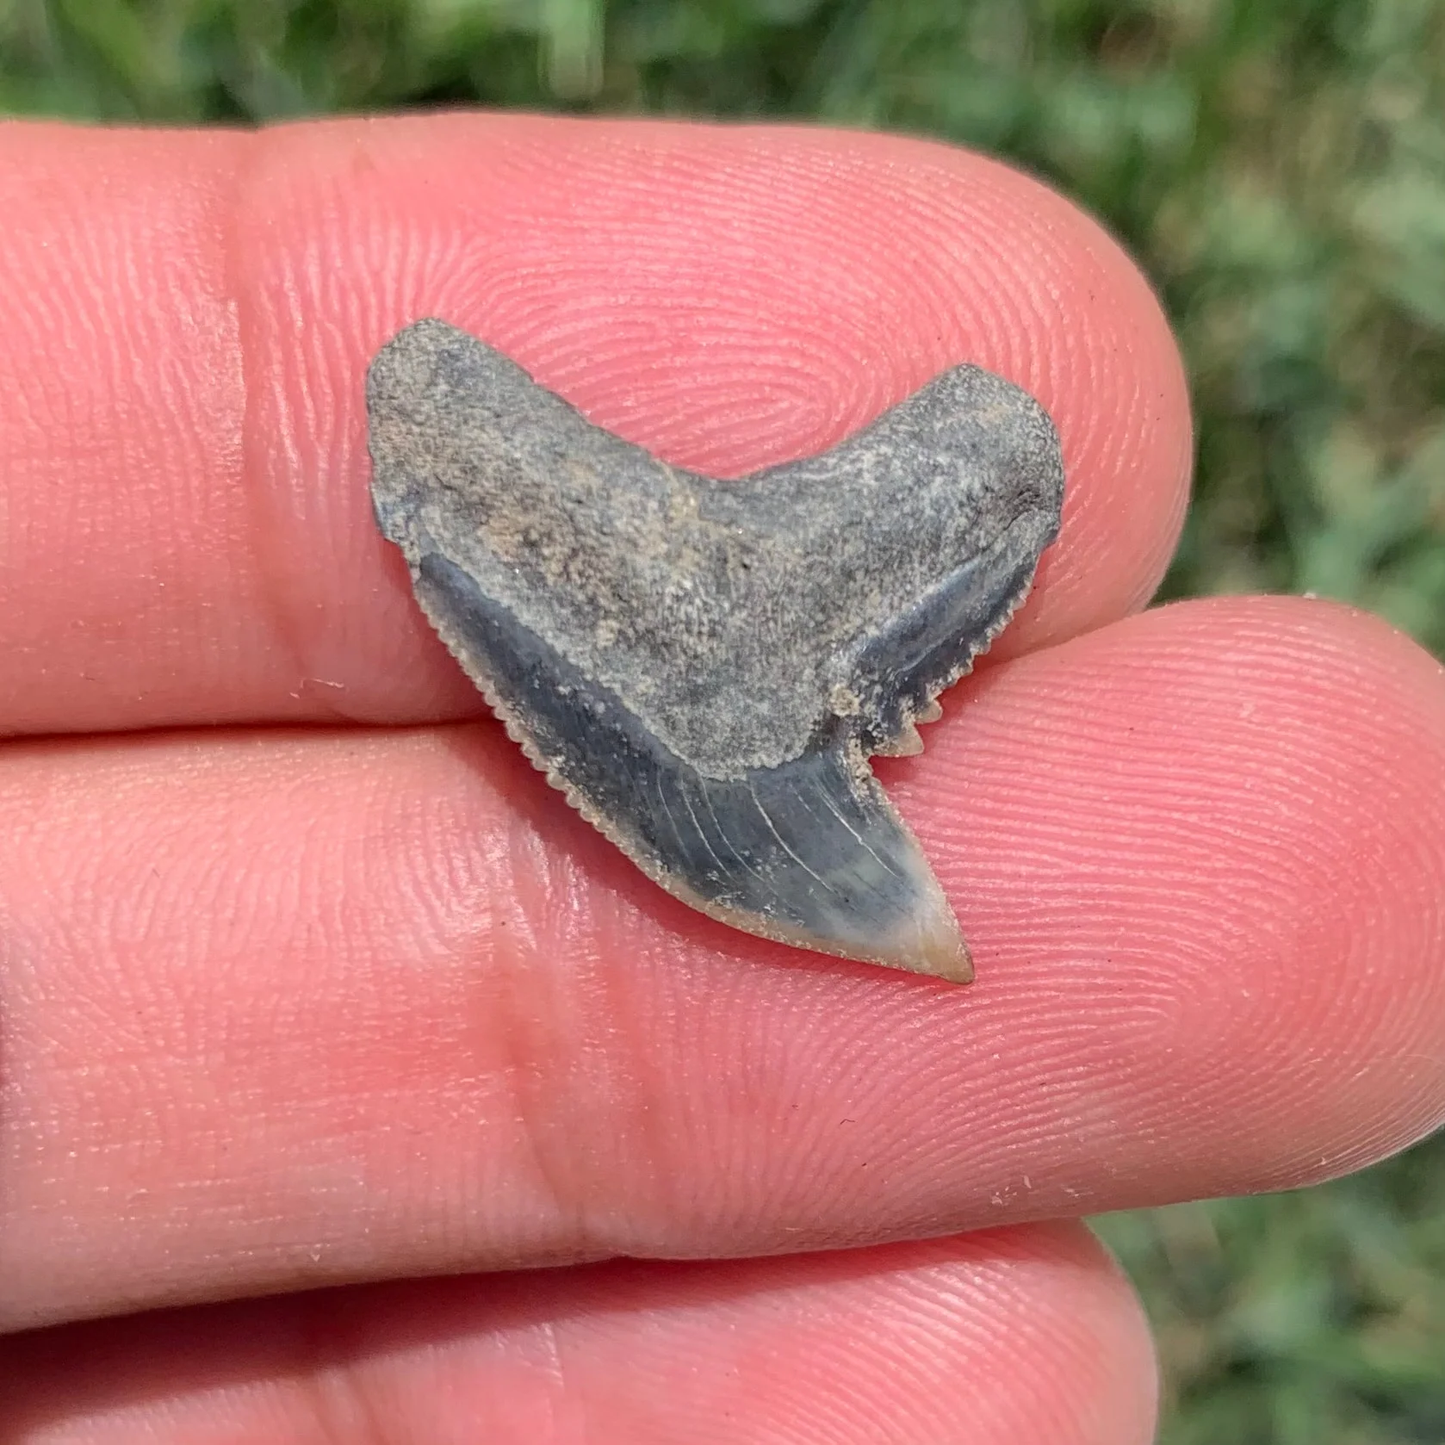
x=704, y=666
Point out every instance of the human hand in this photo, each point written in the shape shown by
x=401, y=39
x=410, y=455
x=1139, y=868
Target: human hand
x=316, y=983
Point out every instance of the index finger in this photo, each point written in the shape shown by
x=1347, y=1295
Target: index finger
x=189, y=535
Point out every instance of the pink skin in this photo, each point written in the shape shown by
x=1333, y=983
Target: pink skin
x=311, y=1006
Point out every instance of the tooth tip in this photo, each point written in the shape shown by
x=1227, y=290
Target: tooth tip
x=951, y=961
x=938, y=950
x=934, y=943
x=925, y=940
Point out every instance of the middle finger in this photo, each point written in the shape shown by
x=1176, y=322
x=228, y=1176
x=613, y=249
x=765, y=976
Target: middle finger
x=284, y=1009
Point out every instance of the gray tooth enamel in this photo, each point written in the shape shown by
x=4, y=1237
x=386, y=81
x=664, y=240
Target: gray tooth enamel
x=703, y=666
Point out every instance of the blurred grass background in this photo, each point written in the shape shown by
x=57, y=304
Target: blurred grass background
x=1278, y=166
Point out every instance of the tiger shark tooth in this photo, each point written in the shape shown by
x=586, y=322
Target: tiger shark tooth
x=703, y=667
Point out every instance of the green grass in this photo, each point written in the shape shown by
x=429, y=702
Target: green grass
x=1312, y=1318
x=1278, y=166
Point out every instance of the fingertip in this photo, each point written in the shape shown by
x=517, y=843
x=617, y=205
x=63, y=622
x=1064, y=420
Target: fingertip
x=998, y=1337
x=1232, y=820
x=187, y=377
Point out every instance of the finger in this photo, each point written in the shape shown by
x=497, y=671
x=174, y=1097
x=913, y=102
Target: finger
x=190, y=536
x=293, y=1010
x=1028, y=1334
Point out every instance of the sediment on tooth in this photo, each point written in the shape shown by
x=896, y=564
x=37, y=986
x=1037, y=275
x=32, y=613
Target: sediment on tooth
x=905, y=743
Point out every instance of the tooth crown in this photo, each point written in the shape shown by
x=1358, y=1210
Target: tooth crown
x=704, y=665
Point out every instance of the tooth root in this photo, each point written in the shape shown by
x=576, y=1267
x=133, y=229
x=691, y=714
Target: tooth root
x=930, y=711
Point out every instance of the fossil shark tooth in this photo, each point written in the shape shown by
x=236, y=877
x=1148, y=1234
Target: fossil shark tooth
x=703, y=666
